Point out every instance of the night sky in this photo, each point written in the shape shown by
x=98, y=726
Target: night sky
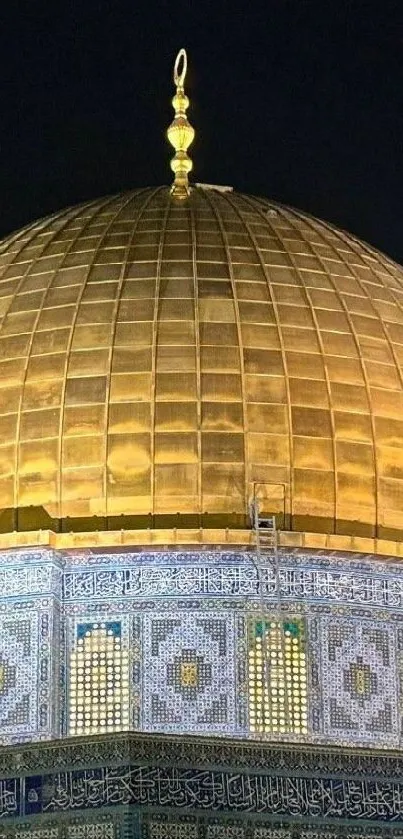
x=294, y=100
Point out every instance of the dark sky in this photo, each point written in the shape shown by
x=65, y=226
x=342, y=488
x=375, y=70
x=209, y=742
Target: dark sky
x=296, y=100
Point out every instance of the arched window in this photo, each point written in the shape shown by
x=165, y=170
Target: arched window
x=98, y=680
x=277, y=671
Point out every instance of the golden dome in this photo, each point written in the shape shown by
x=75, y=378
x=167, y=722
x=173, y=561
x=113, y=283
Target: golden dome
x=162, y=357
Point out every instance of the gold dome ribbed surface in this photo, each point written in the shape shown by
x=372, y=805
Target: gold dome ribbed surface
x=172, y=357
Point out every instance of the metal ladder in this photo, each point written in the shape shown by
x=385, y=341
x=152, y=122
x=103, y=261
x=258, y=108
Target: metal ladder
x=266, y=540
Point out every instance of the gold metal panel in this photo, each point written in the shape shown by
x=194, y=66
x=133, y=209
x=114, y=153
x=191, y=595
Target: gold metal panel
x=180, y=309
x=177, y=480
x=390, y=461
x=159, y=359
x=222, y=416
x=257, y=335
x=86, y=362
x=303, y=366
x=7, y=459
x=339, y=343
x=176, y=358
x=131, y=359
x=269, y=448
x=217, y=479
x=53, y=340
x=175, y=387
x=387, y=403
x=321, y=491
x=391, y=496
x=89, y=337
x=271, y=419
x=346, y=397
x=82, y=451
x=84, y=420
x=263, y=361
x=224, y=334
x=352, y=426
x=135, y=311
x=46, y=366
x=313, y=453
x=177, y=289
x=82, y=391
x=37, y=492
x=80, y=485
x=6, y=491
x=180, y=332
x=345, y=370
x=16, y=324
x=218, y=359
x=222, y=446
x=213, y=310
x=13, y=346
x=301, y=340
x=221, y=387
x=311, y=422
x=382, y=375
x=354, y=458
x=175, y=416
x=8, y=428
x=389, y=432
x=308, y=392
x=355, y=490
x=9, y=399
x=171, y=447
x=262, y=313
x=36, y=425
x=38, y=457
x=265, y=389
x=130, y=386
x=56, y=318
x=129, y=417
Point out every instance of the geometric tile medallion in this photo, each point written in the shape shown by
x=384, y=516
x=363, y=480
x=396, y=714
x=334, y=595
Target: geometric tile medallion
x=359, y=679
x=189, y=671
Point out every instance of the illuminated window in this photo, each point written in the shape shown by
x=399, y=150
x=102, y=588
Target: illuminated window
x=277, y=676
x=99, y=680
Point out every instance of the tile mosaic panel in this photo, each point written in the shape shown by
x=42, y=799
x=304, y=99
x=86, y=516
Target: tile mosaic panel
x=27, y=671
x=359, y=678
x=87, y=829
x=188, y=671
x=167, y=829
x=91, y=831
x=185, y=622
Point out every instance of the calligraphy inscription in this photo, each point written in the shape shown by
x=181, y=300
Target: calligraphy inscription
x=334, y=798
x=217, y=575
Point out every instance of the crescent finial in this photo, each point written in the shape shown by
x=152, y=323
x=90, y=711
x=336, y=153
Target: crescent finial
x=180, y=133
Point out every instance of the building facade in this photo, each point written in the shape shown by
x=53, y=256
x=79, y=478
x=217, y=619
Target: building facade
x=201, y=521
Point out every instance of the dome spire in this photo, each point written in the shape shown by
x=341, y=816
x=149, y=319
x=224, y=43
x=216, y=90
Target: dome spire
x=180, y=133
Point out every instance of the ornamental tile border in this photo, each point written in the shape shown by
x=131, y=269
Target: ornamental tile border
x=192, y=775
x=304, y=575
x=200, y=752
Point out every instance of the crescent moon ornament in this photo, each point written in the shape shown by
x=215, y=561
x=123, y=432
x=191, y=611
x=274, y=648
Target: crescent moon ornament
x=180, y=75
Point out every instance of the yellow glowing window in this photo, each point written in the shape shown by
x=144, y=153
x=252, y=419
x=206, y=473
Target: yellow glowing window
x=277, y=672
x=98, y=680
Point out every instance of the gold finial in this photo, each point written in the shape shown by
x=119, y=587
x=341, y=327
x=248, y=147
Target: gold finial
x=180, y=133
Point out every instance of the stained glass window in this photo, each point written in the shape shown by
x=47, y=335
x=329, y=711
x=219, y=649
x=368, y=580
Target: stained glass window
x=277, y=676
x=99, y=680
